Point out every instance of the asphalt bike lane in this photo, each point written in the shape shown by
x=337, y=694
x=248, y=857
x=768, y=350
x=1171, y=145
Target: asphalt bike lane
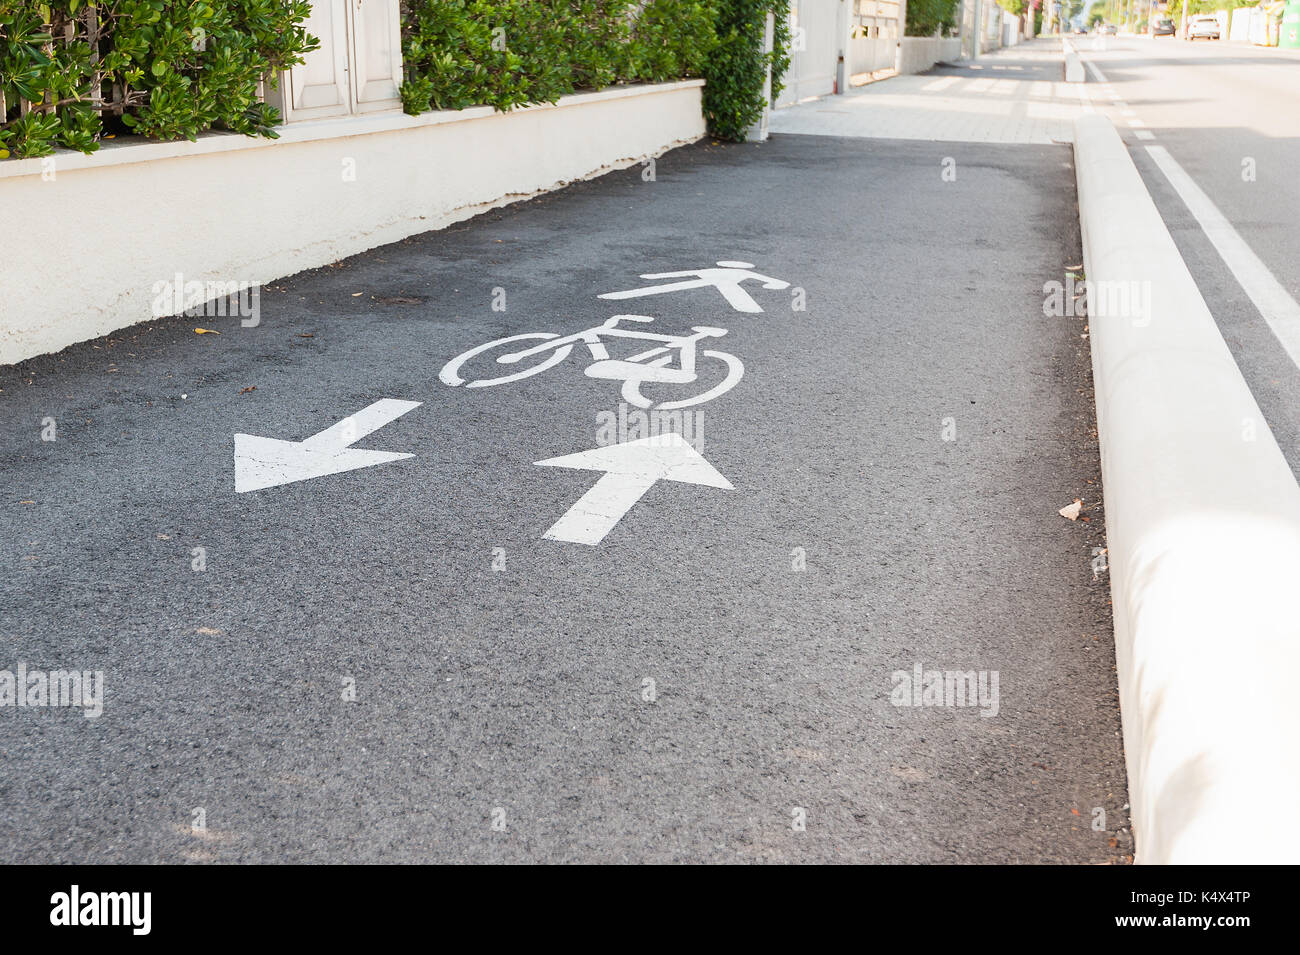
x=356, y=598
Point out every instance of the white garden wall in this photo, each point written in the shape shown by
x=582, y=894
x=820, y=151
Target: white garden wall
x=100, y=231
x=918, y=53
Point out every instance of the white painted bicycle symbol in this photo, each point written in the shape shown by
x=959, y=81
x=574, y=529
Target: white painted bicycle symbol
x=648, y=367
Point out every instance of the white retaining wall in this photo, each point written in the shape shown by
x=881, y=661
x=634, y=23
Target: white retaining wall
x=100, y=231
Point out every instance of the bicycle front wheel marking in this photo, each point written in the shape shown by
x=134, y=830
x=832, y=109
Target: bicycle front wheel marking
x=450, y=374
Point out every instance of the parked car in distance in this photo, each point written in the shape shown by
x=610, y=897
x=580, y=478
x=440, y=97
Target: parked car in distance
x=1107, y=29
x=1163, y=27
x=1202, y=28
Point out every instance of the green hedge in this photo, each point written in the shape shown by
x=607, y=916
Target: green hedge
x=166, y=69
x=733, y=91
x=926, y=16
x=72, y=71
x=507, y=53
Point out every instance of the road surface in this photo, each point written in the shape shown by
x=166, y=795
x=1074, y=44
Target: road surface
x=715, y=676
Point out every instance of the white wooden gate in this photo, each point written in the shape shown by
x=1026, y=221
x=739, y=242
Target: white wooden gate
x=815, y=49
x=873, y=43
x=358, y=67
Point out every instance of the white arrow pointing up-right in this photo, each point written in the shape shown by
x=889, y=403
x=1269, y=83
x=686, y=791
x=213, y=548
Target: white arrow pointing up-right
x=630, y=469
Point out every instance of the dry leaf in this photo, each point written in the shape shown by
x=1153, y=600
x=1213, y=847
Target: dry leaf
x=244, y=391
x=1071, y=511
x=205, y=331
x=207, y=631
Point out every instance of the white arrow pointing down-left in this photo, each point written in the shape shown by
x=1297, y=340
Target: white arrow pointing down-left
x=268, y=462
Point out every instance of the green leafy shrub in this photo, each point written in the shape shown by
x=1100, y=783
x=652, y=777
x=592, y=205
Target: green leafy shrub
x=508, y=53
x=671, y=40
x=72, y=71
x=733, y=90
x=167, y=69
x=499, y=53
x=924, y=17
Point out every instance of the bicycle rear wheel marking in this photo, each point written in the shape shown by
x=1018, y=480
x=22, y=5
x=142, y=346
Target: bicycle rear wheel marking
x=735, y=371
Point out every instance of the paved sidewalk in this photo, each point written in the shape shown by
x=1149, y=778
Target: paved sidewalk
x=1015, y=95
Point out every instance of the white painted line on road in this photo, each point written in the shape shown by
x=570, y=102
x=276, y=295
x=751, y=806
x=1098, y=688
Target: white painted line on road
x=1136, y=122
x=1277, y=307
x=939, y=85
x=269, y=462
x=1097, y=74
x=630, y=469
x=1144, y=134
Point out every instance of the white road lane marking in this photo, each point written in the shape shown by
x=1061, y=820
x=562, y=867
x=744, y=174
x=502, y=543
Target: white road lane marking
x=941, y=84
x=269, y=462
x=1144, y=134
x=631, y=469
x=1275, y=304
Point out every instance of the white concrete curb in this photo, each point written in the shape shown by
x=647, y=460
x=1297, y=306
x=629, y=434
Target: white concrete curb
x=1203, y=530
x=1073, y=65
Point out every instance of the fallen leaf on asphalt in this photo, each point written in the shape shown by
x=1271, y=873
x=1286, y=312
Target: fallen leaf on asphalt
x=244, y=391
x=356, y=294
x=1075, y=811
x=205, y=331
x=1071, y=511
x=207, y=631
x=306, y=334
x=399, y=300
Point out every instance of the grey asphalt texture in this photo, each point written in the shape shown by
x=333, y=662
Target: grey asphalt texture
x=522, y=689
x=1213, y=105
